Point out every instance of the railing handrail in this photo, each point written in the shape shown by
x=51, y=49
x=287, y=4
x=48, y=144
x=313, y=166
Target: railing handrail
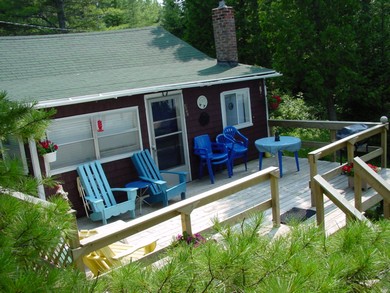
x=348, y=143
x=343, y=143
x=317, y=124
x=380, y=185
x=321, y=187
x=184, y=209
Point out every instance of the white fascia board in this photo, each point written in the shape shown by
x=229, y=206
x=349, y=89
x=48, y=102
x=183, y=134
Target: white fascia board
x=145, y=90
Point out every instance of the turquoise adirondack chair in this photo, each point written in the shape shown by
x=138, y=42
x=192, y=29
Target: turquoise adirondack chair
x=99, y=195
x=159, y=189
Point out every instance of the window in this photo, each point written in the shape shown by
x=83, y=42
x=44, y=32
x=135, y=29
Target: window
x=102, y=135
x=236, y=108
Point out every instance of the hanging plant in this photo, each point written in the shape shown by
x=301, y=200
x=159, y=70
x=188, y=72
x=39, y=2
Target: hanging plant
x=46, y=147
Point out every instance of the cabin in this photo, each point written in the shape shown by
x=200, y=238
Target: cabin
x=118, y=92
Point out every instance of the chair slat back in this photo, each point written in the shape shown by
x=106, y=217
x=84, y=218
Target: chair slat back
x=203, y=142
x=146, y=167
x=95, y=182
x=230, y=132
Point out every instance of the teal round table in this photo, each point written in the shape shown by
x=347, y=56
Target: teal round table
x=286, y=143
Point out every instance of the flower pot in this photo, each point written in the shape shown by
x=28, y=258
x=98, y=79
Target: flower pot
x=50, y=157
x=351, y=183
x=274, y=106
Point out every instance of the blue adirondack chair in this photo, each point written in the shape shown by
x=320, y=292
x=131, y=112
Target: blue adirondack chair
x=236, y=143
x=159, y=189
x=211, y=154
x=99, y=196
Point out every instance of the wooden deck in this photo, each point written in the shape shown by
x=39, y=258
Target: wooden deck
x=294, y=192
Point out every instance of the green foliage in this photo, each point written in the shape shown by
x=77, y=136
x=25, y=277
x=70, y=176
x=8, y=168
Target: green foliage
x=198, y=25
x=27, y=233
x=330, y=51
x=295, y=108
x=59, y=16
x=172, y=17
x=21, y=120
x=354, y=259
x=30, y=233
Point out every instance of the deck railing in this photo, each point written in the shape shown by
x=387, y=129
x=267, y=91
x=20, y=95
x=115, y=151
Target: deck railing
x=331, y=126
x=184, y=210
x=361, y=170
x=348, y=143
x=319, y=182
x=79, y=248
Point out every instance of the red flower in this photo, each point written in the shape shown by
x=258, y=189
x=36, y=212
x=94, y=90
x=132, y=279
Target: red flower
x=349, y=171
x=46, y=146
x=274, y=102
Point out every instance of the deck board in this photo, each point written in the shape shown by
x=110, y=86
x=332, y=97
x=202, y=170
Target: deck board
x=293, y=188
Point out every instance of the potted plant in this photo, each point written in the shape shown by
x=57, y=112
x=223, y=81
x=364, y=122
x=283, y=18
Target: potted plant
x=274, y=101
x=350, y=172
x=48, y=150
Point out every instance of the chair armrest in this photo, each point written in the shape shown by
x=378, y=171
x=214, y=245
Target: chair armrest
x=182, y=175
x=174, y=172
x=159, y=182
x=96, y=204
x=147, y=247
x=201, y=151
x=244, y=141
x=131, y=192
x=219, y=147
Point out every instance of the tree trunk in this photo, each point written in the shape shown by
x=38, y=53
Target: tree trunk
x=332, y=115
x=61, y=13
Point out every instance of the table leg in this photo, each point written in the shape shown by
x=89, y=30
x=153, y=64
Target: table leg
x=260, y=160
x=280, y=163
x=296, y=160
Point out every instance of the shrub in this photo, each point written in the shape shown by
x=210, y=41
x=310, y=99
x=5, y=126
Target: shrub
x=353, y=260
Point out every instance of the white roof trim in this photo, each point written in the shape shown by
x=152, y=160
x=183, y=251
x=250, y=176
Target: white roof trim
x=137, y=91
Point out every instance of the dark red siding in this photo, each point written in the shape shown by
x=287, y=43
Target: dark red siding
x=123, y=171
x=214, y=127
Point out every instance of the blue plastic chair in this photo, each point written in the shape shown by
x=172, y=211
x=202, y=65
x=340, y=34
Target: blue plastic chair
x=236, y=143
x=158, y=189
x=211, y=154
x=99, y=196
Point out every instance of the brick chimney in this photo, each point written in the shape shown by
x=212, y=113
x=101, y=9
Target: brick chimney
x=225, y=35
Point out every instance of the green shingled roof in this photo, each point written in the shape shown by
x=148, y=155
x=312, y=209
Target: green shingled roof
x=74, y=67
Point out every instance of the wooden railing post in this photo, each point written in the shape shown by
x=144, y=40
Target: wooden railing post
x=313, y=172
x=384, y=120
x=358, y=191
x=74, y=243
x=274, y=182
x=185, y=214
x=319, y=198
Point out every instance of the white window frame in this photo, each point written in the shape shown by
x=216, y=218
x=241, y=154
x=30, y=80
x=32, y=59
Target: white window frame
x=241, y=103
x=90, y=120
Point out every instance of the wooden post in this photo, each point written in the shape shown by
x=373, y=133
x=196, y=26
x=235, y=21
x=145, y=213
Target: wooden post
x=319, y=198
x=384, y=146
x=332, y=139
x=357, y=190
x=351, y=150
x=186, y=223
x=185, y=214
x=313, y=172
x=74, y=243
x=274, y=182
x=386, y=209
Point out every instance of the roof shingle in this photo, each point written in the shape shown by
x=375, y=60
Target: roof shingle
x=56, y=67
